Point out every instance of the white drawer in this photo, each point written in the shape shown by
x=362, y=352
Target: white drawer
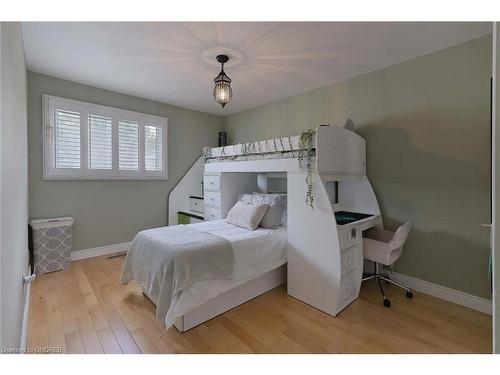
x=347, y=286
x=349, y=237
x=212, y=213
x=196, y=204
x=211, y=182
x=349, y=259
x=212, y=198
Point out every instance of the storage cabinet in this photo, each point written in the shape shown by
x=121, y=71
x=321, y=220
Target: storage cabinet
x=183, y=219
x=212, y=213
x=196, y=204
x=213, y=198
x=348, y=286
x=188, y=218
x=220, y=191
x=324, y=257
x=211, y=182
x=349, y=259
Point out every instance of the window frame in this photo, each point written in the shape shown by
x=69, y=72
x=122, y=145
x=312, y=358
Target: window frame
x=50, y=172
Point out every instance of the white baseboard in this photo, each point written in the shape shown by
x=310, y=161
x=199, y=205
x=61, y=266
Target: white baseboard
x=448, y=294
x=100, y=251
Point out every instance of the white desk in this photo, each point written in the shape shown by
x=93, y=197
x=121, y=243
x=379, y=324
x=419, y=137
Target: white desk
x=325, y=260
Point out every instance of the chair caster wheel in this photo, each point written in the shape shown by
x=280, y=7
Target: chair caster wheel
x=409, y=295
x=387, y=303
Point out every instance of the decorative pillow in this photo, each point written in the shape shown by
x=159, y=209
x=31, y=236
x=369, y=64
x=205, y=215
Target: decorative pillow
x=247, y=198
x=261, y=198
x=273, y=217
x=245, y=215
x=276, y=214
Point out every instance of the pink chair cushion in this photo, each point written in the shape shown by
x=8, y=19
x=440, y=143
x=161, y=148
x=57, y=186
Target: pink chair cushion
x=383, y=246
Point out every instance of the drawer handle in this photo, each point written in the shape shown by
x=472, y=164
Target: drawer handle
x=212, y=183
x=212, y=199
x=348, y=261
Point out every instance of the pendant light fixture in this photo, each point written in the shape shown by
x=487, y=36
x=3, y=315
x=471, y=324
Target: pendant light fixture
x=222, y=90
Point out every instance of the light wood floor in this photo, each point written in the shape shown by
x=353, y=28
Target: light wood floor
x=86, y=310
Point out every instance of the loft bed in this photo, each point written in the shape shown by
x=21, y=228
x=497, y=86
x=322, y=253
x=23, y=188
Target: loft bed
x=332, y=150
x=330, y=202
x=324, y=242
x=276, y=148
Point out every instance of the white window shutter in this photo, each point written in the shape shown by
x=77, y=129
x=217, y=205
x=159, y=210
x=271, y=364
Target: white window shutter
x=90, y=141
x=153, y=147
x=66, y=139
x=100, y=142
x=128, y=146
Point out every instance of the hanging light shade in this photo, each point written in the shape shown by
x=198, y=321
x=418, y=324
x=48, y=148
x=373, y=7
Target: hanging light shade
x=222, y=90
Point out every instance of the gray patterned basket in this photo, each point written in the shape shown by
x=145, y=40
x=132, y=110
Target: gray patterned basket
x=52, y=244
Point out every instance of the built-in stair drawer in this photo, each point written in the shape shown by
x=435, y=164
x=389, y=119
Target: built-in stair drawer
x=211, y=182
x=349, y=259
x=212, y=213
x=196, y=204
x=212, y=198
x=348, y=237
x=347, y=286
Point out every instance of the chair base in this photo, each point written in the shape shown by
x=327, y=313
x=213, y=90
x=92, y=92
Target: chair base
x=378, y=276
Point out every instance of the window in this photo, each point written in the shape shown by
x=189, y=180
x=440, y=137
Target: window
x=89, y=141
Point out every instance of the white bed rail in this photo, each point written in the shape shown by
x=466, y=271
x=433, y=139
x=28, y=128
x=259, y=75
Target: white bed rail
x=335, y=150
x=268, y=146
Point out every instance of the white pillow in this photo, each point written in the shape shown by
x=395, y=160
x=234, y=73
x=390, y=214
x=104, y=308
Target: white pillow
x=246, y=215
x=247, y=198
x=268, y=198
x=273, y=217
x=276, y=214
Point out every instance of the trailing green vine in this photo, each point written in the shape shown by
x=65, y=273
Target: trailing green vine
x=291, y=146
x=282, y=145
x=305, y=159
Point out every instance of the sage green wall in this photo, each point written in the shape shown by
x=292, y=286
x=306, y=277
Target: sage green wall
x=111, y=212
x=427, y=127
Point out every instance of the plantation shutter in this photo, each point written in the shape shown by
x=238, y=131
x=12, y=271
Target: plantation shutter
x=66, y=139
x=128, y=146
x=153, y=144
x=100, y=142
x=90, y=141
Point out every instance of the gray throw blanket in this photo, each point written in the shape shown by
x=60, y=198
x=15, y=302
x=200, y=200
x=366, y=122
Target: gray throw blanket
x=168, y=260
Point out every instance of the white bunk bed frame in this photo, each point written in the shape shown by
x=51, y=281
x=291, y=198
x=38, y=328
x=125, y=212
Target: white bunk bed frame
x=324, y=266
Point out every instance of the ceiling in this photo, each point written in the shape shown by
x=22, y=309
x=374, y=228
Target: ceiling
x=174, y=62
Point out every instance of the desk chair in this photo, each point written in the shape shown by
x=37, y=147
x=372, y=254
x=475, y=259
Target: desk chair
x=385, y=247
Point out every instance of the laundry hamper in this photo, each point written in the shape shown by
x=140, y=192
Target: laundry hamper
x=52, y=244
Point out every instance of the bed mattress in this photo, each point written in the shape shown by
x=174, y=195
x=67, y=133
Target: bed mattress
x=255, y=253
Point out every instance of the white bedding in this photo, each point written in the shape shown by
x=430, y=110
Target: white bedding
x=168, y=260
x=255, y=253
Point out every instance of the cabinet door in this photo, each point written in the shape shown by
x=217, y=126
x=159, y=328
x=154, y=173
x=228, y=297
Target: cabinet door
x=211, y=182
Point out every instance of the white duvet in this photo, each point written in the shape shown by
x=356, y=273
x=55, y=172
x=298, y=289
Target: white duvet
x=255, y=253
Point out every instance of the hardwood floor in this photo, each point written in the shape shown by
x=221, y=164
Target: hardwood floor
x=86, y=310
